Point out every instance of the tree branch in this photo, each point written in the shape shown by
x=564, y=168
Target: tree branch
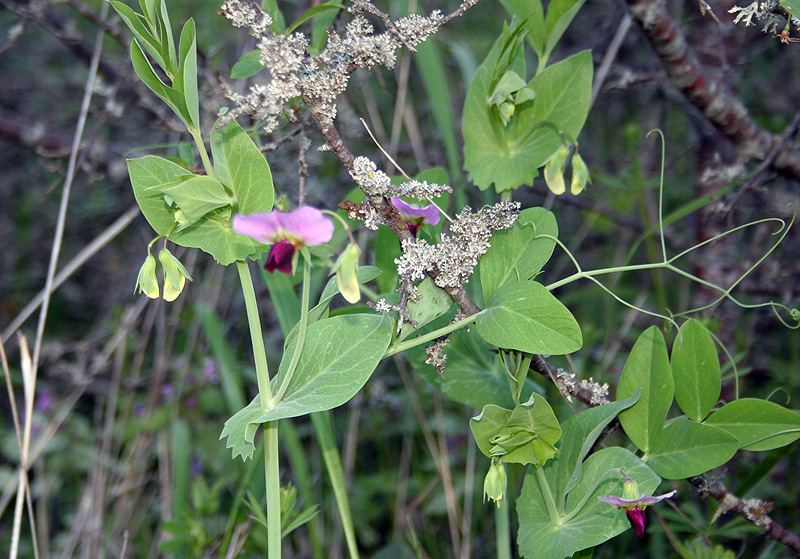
x=711, y=96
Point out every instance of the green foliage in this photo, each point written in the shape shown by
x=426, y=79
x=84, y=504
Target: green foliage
x=241, y=182
x=525, y=435
x=506, y=149
x=558, y=509
x=647, y=369
x=523, y=315
x=519, y=253
x=695, y=367
x=340, y=355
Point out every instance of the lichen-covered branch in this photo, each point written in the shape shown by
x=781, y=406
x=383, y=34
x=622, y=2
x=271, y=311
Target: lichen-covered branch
x=754, y=510
x=710, y=95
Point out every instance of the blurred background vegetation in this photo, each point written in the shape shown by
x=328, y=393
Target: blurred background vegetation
x=129, y=390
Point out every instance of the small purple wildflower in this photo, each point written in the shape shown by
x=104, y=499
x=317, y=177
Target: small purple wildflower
x=210, y=371
x=414, y=216
x=634, y=504
x=44, y=401
x=286, y=232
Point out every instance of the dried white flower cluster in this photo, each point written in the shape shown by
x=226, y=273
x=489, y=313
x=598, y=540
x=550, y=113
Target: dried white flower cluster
x=454, y=258
x=377, y=183
x=764, y=11
x=244, y=14
x=435, y=355
x=323, y=77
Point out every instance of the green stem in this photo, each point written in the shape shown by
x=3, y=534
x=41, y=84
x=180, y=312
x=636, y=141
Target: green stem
x=330, y=454
x=502, y=530
x=271, y=463
x=272, y=471
x=408, y=344
x=201, y=147
x=555, y=518
x=256, y=335
x=301, y=334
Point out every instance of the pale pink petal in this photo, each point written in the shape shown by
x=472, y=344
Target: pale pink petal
x=308, y=225
x=263, y=227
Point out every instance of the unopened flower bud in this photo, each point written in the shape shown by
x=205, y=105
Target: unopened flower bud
x=554, y=171
x=147, y=282
x=175, y=275
x=580, y=175
x=494, y=486
x=346, y=269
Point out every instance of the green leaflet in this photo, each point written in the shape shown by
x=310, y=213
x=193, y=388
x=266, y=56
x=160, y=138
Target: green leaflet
x=525, y=316
x=517, y=254
x=339, y=355
x=695, y=368
x=647, y=368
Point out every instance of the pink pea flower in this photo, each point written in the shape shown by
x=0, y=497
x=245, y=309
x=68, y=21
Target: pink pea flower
x=634, y=504
x=286, y=232
x=414, y=216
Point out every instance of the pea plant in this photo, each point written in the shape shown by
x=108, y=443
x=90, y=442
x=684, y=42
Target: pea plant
x=464, y=294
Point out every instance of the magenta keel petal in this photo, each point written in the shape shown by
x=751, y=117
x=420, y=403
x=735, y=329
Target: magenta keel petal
x=280, y=257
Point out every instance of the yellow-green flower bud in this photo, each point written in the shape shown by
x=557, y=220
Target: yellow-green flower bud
x=580, y=175
x=346, y=269
x=175, y=275
x=147, y=282
x=554, y=171
x=494, y=485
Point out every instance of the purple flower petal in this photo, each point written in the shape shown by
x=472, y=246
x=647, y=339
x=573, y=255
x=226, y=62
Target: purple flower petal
x=637, y=519
x=641, y=502
x=280, y=257
x=410, y=212
x=305, y=225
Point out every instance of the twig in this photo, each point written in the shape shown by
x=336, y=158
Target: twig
x=754, y=510
x=725, y=111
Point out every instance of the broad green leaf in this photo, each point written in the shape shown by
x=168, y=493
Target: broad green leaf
x=509, y=156
x=247, y=66
x=543, y=537
x=757, y=424
x=338, y=357
x=198, y=196
x=531, y=13
x=433, y=302
x=525, y=316
x=312, y=12
x=560, y=14
x=240, y=165
x=150, y=175
x=647, y=368
x=474, y=375
x=526, y=435
x=517, y=254
x=685, y=448
x=695, y=370
x=579, y=435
